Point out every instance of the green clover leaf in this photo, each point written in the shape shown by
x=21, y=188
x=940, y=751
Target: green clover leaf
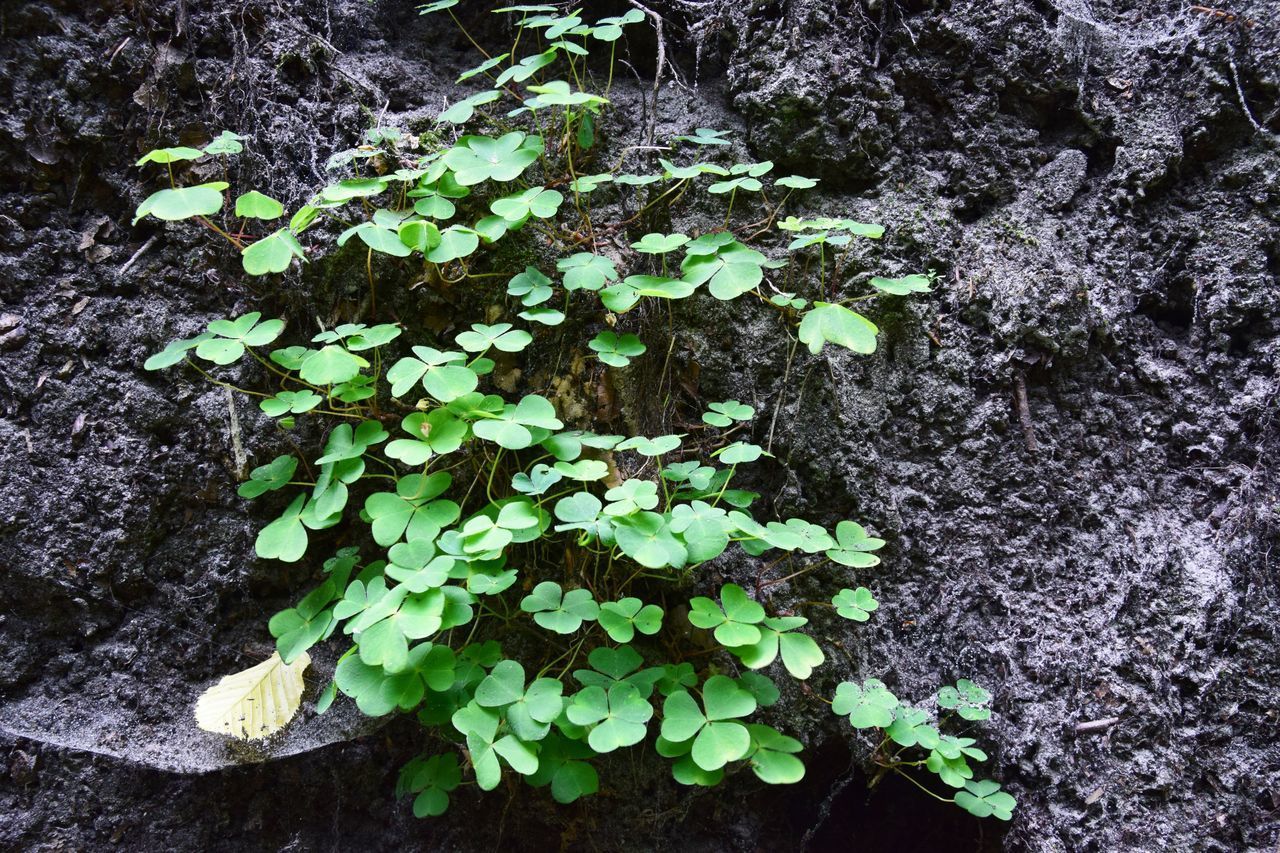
x=631, y=496
x=772, y=756
x=299, y=628
x=455, y=242
x=480, y=726
x=410, y=512
x=531, y=286
x=746, y=184
x=735, y=620
x=537, y=481
x=617, y=350
x=347, y=443
x=740, y=452
x=636, y=180
x=798, y=534
x=502, y=337
x=285, y=538
x=646, y=537
x=529, y=711
x=545, y=316
x=603, y=29
x=910, y=727
x=255, y=205
x=331, y=365
x=526, y=68
x=618, y=717
x=800, y=654
x=182, y=203
x=536, y=201
x=796, y=182
x=655, y=446
x=560, y=765
x=585, y=271
x=170, y=155
x=717, y=740
x=948, y=760
x=276, y=474
x=272, y=253
x=579, y=511
x=225, y=142
x=902, y=286
x=174, y=352
x=724, y=414
x=434, y=433
x=432, y=779
x=611, y=666
x=660, y=244
x=856, y=604
x=761, y=687
x=557, y=93
x=462, y=111
x=703, y=527
x=852, y=545
x=623, y=618
x=230, y=338
x=290, y=402
x=492, y=62
x=829, y=323
x=513, y=427
x=417, y=567
x=561, y=612
x=437, y=6
x=441, y=373
x=967, y=699
x=869, y=705
x=985, y=799
x=475, y=159
x=620, y=297
x=705, y=136
x=352, y=188
x=731, y=271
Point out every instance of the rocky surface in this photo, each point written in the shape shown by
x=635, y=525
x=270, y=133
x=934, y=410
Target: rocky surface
x=1070, y=445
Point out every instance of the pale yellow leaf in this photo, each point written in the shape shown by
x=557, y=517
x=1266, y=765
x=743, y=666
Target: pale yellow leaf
x=256, y=702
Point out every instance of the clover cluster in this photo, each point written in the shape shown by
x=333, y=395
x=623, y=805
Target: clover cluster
x=523, y=586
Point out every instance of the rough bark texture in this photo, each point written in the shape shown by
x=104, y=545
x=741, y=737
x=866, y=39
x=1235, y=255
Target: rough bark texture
x=1070, y=445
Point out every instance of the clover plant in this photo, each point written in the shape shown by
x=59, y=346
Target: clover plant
x=535, y=593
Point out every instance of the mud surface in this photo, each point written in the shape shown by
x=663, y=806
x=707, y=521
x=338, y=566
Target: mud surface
x=1097, y=185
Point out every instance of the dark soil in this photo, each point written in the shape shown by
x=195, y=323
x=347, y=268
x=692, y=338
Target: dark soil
x=1098, y=187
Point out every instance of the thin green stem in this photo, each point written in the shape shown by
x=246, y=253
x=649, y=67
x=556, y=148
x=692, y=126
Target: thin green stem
x=488, y=488
x=922, y=787
x=613, y=48
x=474, y=43
x=232, y=240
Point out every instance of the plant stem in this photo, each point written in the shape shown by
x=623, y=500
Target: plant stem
x=373, y=291
x=468, y=35
x=613, y=47
x=922, y=787
x=232, y=240
x=488, y=489
x=803, y=571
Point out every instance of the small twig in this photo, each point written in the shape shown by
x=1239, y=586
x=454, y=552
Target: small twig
x=119, y=48
x=1024, y=412
x=134, y=258
x=1095, y=726
x=657, y=72
x=237, y=447
x=773, y=422
x=1235, y=78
